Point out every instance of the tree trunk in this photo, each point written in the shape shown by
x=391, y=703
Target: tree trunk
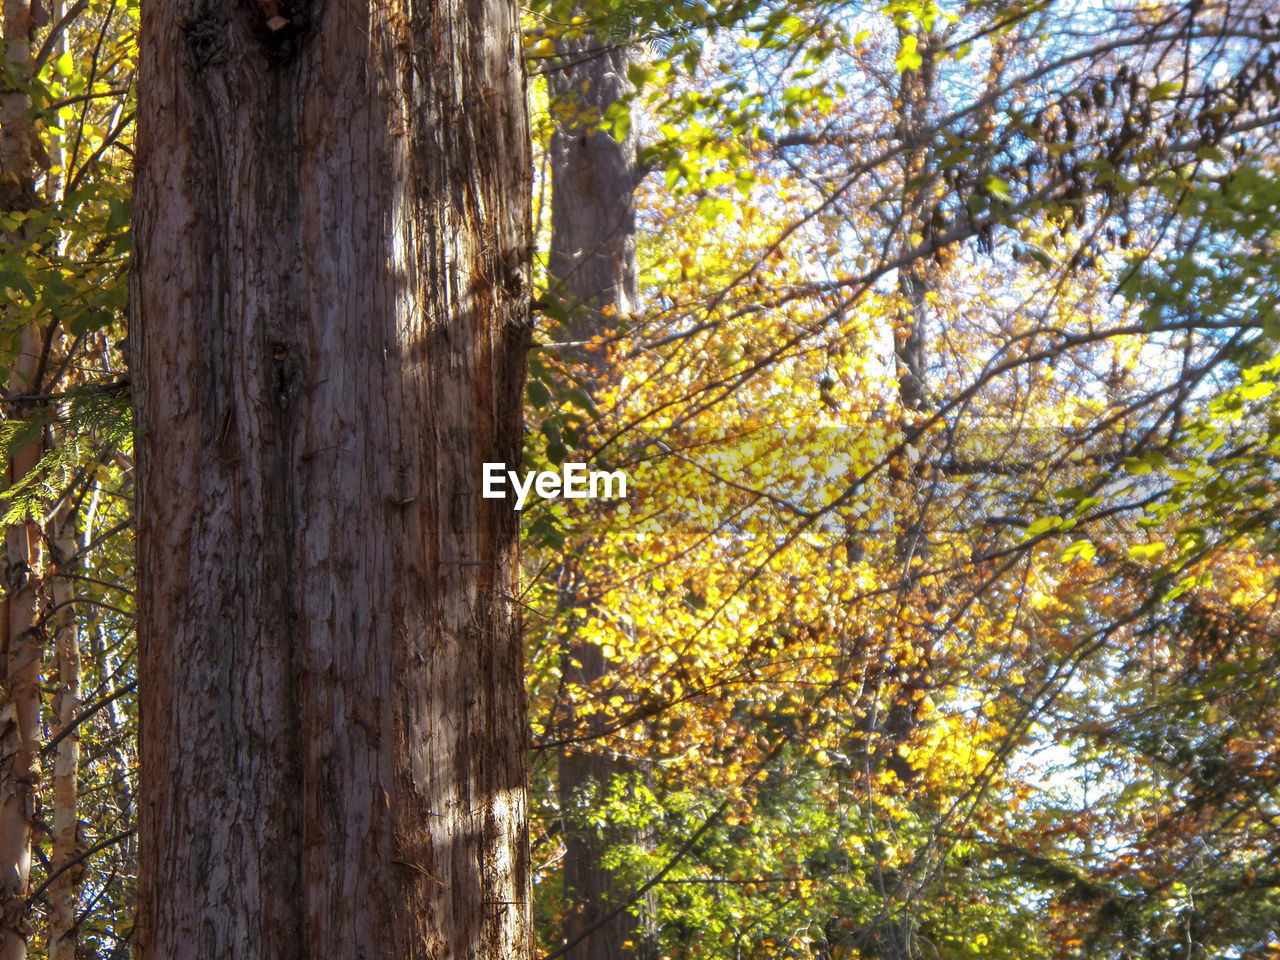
x=19, y=622
x=592, y=274
x=915, y=96
x=62, y=893
x=17, y=132
x=20, y=703
x=592, y=259
x=330, y=325
x=66, y=764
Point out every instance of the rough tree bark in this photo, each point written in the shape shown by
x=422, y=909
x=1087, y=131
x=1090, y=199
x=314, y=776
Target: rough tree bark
x=19, y=623
x=592, y=275
x=17, y=132
x=329, y=332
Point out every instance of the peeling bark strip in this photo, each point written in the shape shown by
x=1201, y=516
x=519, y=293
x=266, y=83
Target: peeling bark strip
x=330, y=323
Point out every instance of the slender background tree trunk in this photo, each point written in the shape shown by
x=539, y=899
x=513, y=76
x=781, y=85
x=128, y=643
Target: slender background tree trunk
x=330, y=327
x=592, y=274
x=66, y=763
x=592, y=259
x=60, y=532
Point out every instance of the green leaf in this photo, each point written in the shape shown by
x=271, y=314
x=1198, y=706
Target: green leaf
x=538, y=393
x=56, y=291
x=997, y=188
x=639, y=75
x=1146, y=551
x=89, y=320
x=1082, y=549
x=622, y=126
x=119, y=218
x=582, y=401
x=16, y=281
x=909, y=57
x=553, y=309
x=1043, y=525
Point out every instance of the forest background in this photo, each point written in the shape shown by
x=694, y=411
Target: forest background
x=939, y=342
